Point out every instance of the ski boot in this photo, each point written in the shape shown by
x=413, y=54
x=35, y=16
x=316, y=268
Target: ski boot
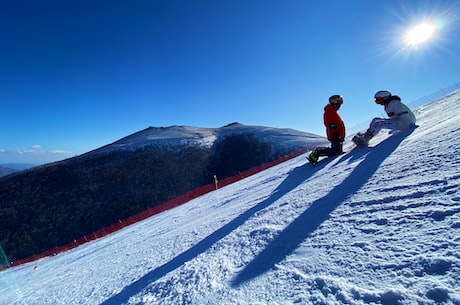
x=361, y=139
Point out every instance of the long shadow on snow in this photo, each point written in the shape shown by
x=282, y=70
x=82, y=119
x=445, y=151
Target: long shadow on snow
x=304, y=225
x=294, y=179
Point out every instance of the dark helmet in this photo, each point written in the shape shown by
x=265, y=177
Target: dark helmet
x=336, y=100
x=382, y=97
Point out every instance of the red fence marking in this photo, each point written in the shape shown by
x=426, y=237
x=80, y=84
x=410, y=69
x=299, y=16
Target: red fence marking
x=172, y=203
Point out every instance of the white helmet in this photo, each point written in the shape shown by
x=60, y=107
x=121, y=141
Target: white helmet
x=382, y=96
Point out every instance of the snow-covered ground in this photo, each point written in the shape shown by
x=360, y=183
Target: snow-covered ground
x=379, y=225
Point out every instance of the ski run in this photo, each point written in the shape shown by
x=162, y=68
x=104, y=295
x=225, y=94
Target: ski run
x=378, y=225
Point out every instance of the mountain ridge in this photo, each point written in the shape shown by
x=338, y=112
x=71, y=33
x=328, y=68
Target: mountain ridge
x=52, y=204
x=190, y=135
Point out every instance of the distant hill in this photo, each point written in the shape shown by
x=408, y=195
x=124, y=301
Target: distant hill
x=53, y=204
x=9, y=168
x=6, y=171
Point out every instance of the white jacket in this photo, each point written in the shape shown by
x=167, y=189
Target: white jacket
x=398, y=111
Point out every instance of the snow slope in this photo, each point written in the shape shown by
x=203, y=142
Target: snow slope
x=379, y=225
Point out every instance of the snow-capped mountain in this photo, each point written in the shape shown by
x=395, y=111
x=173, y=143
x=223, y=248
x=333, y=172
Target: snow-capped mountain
x=80, y=195
x=379, y=225
x=280, y=138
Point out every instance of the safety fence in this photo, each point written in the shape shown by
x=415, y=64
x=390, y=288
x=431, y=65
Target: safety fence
x=172, y=203
x=434, y=96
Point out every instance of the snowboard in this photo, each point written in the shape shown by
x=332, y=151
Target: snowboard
x=314, y=163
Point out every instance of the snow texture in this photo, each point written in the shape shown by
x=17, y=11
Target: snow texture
x=280, y=138
x=378, y=225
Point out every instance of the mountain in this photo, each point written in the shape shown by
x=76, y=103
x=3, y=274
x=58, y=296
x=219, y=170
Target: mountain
x=54, y=204
x=9, y=168
x=6, y=171
x=378, y=225
x=280, y=138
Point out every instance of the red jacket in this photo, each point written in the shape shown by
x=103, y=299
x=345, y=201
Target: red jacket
x=333, y=122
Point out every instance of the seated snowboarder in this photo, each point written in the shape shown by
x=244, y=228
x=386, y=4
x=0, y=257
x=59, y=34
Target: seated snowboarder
x=400, y=118
x=335, y=131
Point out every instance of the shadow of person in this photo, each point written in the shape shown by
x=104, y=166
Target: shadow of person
x=294, y=179
x=304, y=225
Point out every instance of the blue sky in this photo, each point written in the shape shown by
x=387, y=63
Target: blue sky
x=77, y=75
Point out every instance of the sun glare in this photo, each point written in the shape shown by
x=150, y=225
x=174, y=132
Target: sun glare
x=419, y=34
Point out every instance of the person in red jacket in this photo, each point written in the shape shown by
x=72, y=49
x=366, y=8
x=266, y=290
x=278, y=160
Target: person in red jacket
x=335, y=131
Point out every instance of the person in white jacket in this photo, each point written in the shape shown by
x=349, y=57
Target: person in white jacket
x=400, y=117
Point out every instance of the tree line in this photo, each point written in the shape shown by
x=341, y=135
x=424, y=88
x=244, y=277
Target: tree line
x=54, y=204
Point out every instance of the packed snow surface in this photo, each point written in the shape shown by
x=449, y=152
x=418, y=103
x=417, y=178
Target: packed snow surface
x=379, y=225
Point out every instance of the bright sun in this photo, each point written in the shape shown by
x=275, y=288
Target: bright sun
x=419, y=34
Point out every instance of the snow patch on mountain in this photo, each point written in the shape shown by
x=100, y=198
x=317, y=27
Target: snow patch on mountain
x=280, y=138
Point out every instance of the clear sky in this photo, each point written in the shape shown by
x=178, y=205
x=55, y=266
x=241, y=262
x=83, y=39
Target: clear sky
x=77, y=75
